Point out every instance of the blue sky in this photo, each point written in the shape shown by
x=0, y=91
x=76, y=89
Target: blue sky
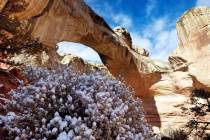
x=150, y=22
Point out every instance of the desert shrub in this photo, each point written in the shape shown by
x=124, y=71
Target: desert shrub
x=198, y=108
x=62, y=104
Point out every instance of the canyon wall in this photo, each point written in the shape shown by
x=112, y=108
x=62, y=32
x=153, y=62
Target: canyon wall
x=190, y=64
x=194, y=43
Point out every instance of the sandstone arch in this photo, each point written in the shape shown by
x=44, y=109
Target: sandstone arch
x=54, y=21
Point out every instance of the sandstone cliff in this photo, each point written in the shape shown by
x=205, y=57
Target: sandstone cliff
x=190, y=68
x=194, y=43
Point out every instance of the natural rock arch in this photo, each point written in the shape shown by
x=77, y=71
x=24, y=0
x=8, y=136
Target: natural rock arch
x=54, y=21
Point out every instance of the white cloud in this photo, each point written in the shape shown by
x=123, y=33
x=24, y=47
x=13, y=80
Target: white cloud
x=79, y=50
x=116, y=18
x=150, y=6
x=122, y=20
x=143, y=42
x=158, y=38
x=164, y=44
x=159, y=24
x=155, y=27
x=203, y=3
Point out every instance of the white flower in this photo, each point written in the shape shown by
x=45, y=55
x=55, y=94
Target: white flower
x=63, y=136
x=64, y=104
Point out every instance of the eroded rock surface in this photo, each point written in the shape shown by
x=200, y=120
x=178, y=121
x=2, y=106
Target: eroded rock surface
x=124, y=34
x=82, y=66
x=194, y=43
x=140, y=50
x=190, y=68
x=2, y=4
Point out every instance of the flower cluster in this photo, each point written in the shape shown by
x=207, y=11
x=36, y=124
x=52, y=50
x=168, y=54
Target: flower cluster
x=63, y=104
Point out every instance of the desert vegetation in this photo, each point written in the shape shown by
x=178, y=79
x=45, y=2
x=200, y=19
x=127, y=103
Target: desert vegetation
x=199, y=109
x=62, y=104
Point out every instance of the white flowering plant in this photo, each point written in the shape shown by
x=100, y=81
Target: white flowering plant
x=63, y=104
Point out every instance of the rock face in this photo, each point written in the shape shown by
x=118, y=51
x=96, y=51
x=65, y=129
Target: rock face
x=178, y=63
x=81, y=66
x=124, y=34
x=2, y=4
x=194, y=43
x=9, y=79
x=193, y=32
x=33, y=8
x=140, y=50
x=190, y=68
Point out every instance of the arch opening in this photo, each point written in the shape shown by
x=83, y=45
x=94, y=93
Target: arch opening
x=80, y=50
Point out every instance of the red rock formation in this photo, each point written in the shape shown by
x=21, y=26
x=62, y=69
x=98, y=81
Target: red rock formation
x=9, y=80
x=2, y=4
x=84, y=26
